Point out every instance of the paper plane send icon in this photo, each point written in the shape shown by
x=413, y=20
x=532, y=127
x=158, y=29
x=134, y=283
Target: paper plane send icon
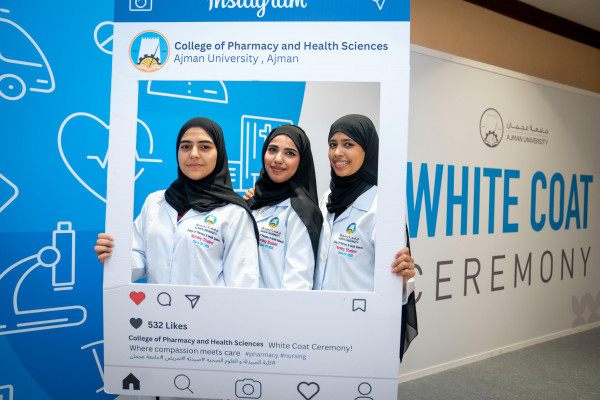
x=193, y=298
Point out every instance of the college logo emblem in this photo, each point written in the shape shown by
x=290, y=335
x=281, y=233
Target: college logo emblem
x=351, y=228
x=274, y=222
x=210, y=220
x=149, y=51
x=491, y=127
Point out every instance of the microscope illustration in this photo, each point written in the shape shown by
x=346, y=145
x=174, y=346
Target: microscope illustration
x=61, y=258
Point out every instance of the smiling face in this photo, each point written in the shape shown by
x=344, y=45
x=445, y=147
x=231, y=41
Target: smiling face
x=197, y=154
x=281, y=158
x=345, y=155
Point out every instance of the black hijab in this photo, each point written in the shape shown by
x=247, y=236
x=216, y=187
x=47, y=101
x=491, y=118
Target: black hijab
x=345, y=190
x=212, y=191
x=301, y=188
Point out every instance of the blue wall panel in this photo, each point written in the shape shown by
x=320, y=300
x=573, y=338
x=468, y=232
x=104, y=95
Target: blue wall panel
x=54, y=113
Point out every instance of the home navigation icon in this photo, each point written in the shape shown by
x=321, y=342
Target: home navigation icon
x=131, y=381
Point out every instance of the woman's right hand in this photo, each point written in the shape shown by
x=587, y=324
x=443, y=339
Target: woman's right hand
x=249, y=194
x=104, y=246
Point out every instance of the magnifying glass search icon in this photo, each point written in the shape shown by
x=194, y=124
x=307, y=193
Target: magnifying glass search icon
x=182, y=382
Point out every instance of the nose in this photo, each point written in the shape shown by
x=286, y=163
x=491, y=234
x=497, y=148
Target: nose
x=279, y=157
x=195, y=152
x=338, y=150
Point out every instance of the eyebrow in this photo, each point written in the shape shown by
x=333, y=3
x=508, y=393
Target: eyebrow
x=199, y=141
x=343, y=140
x=274, y=146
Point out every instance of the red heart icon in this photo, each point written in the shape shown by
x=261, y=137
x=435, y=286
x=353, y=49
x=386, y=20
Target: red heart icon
x=137, y=297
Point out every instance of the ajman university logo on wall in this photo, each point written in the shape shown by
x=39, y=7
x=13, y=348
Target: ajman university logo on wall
x=491, y=127
x=149, y=51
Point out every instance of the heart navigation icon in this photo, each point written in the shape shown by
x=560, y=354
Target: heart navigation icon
x=308, y=390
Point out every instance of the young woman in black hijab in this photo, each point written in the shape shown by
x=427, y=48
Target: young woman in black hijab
x=286, y=211
x=346, y=258
x=198, y=231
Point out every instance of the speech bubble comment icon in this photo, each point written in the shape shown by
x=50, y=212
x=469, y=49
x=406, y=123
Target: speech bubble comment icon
x=359, y=305
x=308, y=390
x=164, y=299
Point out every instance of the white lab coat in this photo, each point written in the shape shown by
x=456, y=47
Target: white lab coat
x=346, y=258
x=285, y=251
x=215, y=248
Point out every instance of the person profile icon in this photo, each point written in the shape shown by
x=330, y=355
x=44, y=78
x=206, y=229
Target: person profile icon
x=364, y=389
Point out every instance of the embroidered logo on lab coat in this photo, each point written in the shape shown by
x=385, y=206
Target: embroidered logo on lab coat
x=351, y=228
x=210, y=219
x=274, y=222
x=347, y=244
x=270, y=237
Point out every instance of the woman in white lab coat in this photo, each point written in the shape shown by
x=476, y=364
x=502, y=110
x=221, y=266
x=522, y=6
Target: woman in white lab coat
x=198, y=231
x=286, y=211
x=346, y=257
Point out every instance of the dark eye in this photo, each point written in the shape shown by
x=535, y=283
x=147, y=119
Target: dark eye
x=331, y=144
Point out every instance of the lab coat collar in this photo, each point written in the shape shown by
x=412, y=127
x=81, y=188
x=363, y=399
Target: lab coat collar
x=267, y=212
x=363, y=203
x=171, y=212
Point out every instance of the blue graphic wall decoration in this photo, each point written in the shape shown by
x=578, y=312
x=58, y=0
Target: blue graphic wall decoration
x=54, y=100
x=50, y=283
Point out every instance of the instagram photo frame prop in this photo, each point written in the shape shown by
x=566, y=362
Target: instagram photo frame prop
x=211, y=342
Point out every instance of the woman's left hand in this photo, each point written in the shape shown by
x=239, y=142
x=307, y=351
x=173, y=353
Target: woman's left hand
x=249, y=194
x=404, y=265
